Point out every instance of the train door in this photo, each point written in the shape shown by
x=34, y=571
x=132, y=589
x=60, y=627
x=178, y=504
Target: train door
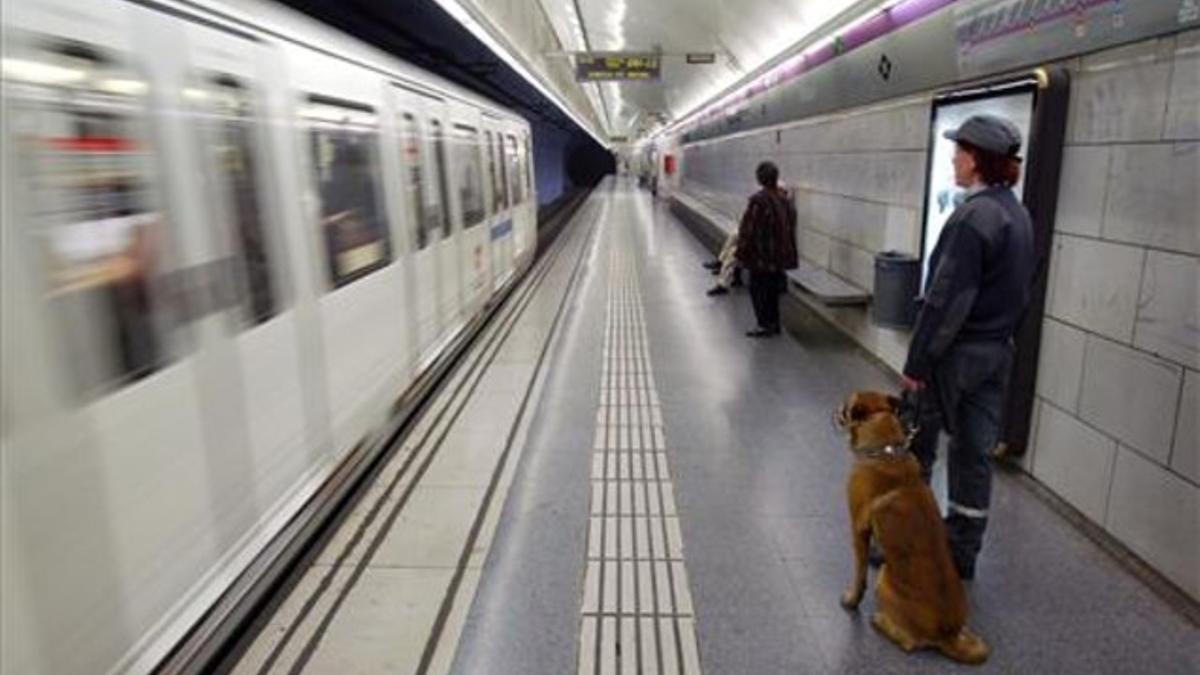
x=467, y=171
x=528, y=240
x=516, y=188
x=502, y=224
x=252, y=387
x=447, y=244
x=339, y=114
x=426, y=216
x=100, y=415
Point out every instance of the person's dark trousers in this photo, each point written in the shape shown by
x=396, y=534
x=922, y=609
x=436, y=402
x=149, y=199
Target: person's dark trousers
x=971, y=381
x=765, y=288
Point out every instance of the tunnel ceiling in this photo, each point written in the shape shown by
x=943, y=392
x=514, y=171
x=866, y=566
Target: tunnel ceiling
x=742, y=34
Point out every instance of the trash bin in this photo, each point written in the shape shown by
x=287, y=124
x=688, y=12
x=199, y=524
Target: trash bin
x=897, y=284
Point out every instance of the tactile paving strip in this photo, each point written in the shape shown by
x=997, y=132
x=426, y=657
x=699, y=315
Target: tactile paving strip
x=637, y=606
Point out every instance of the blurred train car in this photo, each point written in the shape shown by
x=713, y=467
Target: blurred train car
x=231, y=238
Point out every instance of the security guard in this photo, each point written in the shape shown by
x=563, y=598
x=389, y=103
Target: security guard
x=961, y=351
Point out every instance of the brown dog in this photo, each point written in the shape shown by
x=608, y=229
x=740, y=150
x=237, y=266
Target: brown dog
x=921, y=599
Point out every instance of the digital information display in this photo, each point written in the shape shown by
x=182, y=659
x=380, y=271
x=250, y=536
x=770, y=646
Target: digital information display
x=608, y=67
x=941, y=194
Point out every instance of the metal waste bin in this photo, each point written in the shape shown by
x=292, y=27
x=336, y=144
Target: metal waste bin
x=897, y=284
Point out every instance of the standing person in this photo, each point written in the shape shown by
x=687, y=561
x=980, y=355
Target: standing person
x=961, y=351
x=766, y=246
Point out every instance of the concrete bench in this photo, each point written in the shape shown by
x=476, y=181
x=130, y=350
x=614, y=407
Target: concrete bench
x=706, y=223
x=827, y=288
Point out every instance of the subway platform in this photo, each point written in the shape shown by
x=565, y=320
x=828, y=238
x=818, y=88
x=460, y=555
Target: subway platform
x=616, y=480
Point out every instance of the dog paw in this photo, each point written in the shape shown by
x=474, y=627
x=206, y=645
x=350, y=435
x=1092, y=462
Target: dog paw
x=851, y=599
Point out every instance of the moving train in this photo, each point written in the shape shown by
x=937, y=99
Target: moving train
x=231, y=238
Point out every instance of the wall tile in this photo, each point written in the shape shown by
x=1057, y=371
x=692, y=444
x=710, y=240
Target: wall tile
x=1060, y=364
x=1074, y=460
x=1125, y=102
x=1185, y=457
x=852, y=263
x=1183, y=101
x=902, y=230
x=1157, y=514
x=815, y=246
x=1152, y=198
x=1096, y=285
x=1130, y=395
x=1082, y=190
x=1168, y=317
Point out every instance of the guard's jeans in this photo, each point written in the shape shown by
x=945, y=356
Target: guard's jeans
x=966, y=398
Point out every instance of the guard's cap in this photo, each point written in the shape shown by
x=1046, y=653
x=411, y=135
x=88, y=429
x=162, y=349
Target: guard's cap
x=990, y=133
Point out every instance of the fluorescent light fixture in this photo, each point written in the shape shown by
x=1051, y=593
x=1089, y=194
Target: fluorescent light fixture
x=41, y=73
x=462, y=15
x=772, y=68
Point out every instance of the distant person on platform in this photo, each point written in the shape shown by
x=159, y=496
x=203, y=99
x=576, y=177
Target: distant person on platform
x=961, y=351
x=766, y=247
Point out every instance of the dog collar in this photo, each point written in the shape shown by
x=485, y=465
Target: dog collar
x=885, y=451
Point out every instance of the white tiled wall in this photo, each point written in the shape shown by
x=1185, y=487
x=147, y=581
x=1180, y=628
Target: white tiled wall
x=1076, y=460
x=1157, y=514
x=1131, y=395
x=1115, y=430
x=858, y=178
x=1122, y=308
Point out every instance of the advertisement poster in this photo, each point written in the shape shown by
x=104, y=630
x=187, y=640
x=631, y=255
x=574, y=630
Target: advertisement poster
x=941, y=193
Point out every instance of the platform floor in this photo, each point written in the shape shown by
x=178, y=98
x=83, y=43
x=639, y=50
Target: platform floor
x=675, y=502
x=758, y=476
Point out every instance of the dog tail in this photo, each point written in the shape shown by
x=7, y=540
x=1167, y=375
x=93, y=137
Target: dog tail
x=965, y=647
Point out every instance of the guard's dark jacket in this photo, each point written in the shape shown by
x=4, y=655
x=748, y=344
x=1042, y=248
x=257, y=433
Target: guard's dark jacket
x=982, y=269
x=767, y=233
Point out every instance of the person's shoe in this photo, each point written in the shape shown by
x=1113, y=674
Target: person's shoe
x=759, y=333
x=712, y=265
x=717, y=290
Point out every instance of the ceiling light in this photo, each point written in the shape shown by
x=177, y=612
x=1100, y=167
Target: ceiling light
x=768, y=75
x=460, y=14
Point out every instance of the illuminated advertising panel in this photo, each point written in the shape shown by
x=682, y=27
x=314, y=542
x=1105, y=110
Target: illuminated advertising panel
x=1015, y=102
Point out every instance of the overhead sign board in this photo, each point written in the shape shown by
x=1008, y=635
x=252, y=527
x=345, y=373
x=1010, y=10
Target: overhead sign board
x=702, y=58
x=608, y=67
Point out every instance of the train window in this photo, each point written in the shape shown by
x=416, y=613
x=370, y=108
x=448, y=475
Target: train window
x=502, y=189
x=439, y=166
x=410, y=139
x=514, y=170
x=343, y=144
x=470, y=175
x=231, y=130
x=86, y=162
